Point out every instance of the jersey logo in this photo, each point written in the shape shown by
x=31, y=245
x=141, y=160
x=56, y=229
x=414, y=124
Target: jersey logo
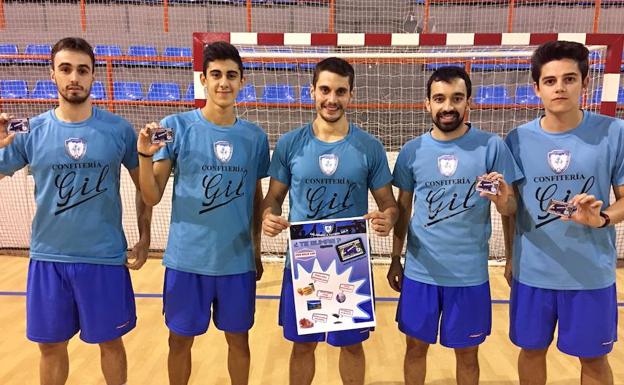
x=329, y=228
x=328, y=163
x=559, y=160
x=447, y=164
x=76, y=148
x=223, y=150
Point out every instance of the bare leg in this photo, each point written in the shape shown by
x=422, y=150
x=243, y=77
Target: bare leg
x=113, y=361
x=238, y=357
x=54, y=363
x=415, y=364
x=302, y=363
x=532, y=366
x=467, y=365
x=596, y=371
x=179, y=361
x=352, y=364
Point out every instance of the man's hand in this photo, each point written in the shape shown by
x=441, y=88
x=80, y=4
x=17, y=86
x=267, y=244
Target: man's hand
x=138, y=255
x=5, y=137
x=381, y=223
x=587, y=210
x=144, y=142
x=273, y=224
x=395, y=274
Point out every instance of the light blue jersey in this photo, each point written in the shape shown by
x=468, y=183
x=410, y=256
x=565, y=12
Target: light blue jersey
x=329, y=180
x=447, y=242
x=215, y=173
x=549, y=253
x=76, y=169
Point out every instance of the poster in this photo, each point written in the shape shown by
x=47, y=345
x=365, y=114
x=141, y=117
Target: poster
x=331, y=273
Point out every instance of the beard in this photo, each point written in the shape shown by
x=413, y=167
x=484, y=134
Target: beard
x=334, y=118
x=450, y=126
x=73, y=98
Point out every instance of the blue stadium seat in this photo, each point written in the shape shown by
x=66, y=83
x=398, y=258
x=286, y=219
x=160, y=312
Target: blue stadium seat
x=526, y=95
x=515, y=66
x=127, y=91
x=13, y=89
x=310, y=66
x=281, y=65
x=8, y=49
x=164, y=92
x=250, y=65
x=247, y=94
x=97, y=91
x=278, y=93
x=44, y=89
x=492, y=95
x=620, y=99
x=482, y=67
x=141, y=51
x=189, y=95
x=306, y=97
x=596, y=96
x=106, y=50
x=177, y=52
x=435, y=66
x=38, y=49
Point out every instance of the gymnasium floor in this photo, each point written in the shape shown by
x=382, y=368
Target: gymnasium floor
x=147, y=344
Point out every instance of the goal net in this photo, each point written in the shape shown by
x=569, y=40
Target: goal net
x=391, y=75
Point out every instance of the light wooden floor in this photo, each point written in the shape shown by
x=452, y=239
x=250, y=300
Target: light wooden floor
x=147, y=344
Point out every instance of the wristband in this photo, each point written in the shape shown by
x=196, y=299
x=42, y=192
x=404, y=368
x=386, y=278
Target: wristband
x=606, y=218
x=144, y=155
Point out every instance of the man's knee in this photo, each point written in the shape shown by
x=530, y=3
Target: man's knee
x=468, y=356
x=416, y=348
x=595, y=363
x=355, y=349
x=303, y=348
x=180, y=343
x=534, y=354
x=50, y=349
x=237, y=341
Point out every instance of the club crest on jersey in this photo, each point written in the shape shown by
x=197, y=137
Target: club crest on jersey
x=329, y=228
x=223, y=150
x=559, y=160
x=76, y=148
x=328, y=163
x=447, y=164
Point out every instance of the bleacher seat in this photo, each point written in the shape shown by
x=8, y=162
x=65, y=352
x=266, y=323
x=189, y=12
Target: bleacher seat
x=281, y=65
x=310, y=66
x=483, y=67
x=514, y=66
x=13, y=89
x=278, y=93
x=526, y=95
x=189, y=95
x=247, y=94
x=184, y=52
x=141, y=51
x=8, y=49
x=596, y=96
x=106, y=50
x=620, y=98
x=38, y=49
x=492, y=95
x=44, y=89
x=306, y=97
x=127, y=91
x=97, y=91
x=164, y=92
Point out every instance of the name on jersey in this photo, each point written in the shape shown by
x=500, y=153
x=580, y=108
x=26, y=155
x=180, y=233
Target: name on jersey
x=447, y=182
x=222, y=185
x=443, y=206
x=74, y=190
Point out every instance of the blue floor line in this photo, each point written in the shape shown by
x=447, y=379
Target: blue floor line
x=259, y=296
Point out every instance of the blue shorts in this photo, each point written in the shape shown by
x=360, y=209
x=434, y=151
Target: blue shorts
x=288, y=321
x=587, y=319
x=188, y=299
x=464, y=314
x=62, y=298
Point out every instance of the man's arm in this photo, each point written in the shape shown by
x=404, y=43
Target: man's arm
x=509, y=227
x=505, y=200
x=257, y=229
x=272, y=221
x=153, y=176
x=144, y=221
x=385, y=217
x=588, y=209
x=395, y=272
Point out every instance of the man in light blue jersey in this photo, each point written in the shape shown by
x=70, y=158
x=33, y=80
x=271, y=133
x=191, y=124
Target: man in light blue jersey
x=564, y=266
x=338, y=189
x=213, y=254
x=78, y=276
x=445, y=284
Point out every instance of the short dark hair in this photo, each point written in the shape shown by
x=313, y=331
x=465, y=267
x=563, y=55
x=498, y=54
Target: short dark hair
x=557, y=50
x=447, y=74
x=335, y=65
x=76, y=44
x=221, y=50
